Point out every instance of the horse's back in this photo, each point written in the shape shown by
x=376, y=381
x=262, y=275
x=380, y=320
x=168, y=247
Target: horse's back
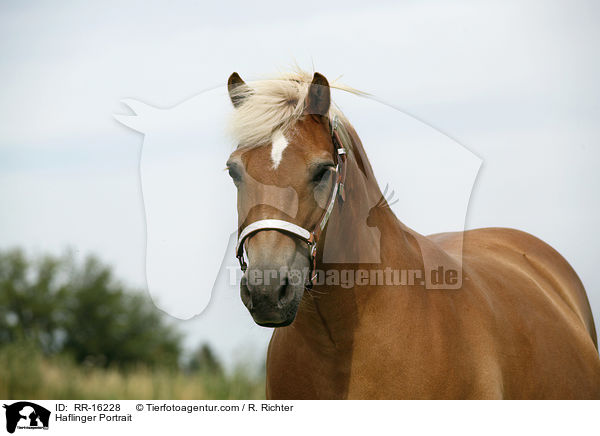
x=542, y=321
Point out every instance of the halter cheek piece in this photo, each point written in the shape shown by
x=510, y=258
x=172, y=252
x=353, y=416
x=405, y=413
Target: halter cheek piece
x=310, y=237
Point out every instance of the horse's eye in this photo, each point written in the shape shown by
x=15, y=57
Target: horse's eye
x=321, y=174
x=234, y=173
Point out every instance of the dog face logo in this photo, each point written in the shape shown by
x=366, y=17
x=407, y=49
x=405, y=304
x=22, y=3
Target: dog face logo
x=26, y=415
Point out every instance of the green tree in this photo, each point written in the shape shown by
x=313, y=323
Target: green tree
x=205, y=361
x=29, y=299
x=64, y=307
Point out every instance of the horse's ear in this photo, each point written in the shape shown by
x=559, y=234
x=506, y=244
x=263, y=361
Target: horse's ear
x=236, y=93
x=319, y=96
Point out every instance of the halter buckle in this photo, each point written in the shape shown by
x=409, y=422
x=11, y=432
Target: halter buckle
x=242, y=261
x=312, y=248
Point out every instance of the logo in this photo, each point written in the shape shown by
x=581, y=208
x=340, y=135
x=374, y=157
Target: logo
x=26, y=415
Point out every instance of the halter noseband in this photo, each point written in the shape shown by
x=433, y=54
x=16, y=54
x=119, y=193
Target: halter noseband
x=311, y=238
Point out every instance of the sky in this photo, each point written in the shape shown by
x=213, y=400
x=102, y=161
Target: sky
x=513, y=82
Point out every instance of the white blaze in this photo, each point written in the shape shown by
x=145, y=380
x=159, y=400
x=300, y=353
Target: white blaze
x=279, y=143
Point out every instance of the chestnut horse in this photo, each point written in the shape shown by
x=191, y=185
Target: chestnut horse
x=519, y=325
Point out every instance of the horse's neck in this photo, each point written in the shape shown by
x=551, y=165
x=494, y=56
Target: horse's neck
x=359, y=236
x=364, y=232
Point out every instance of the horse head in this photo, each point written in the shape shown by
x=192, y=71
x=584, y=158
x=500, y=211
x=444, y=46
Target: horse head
x=290, y=147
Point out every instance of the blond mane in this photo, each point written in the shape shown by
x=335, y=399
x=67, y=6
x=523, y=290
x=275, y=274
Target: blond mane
x=274, y=104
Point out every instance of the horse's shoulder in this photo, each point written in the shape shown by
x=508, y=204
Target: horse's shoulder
x=509, y=250
x=494, y=240
x=520, y=263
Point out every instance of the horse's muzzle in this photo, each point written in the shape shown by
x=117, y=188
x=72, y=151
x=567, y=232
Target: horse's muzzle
x=270, y=296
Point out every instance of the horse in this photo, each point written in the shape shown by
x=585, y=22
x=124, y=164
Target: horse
x=517, y=326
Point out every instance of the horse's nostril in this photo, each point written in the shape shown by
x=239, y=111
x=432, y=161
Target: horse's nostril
x=286, y=294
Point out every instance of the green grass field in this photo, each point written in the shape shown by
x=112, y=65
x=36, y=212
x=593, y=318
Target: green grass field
x=26, y=374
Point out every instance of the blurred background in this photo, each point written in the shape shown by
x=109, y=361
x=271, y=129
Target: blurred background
x=515, y=82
